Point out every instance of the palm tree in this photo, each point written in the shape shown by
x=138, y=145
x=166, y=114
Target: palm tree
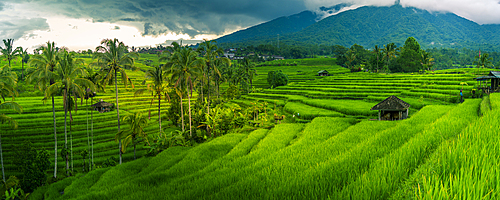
x=69, y=72
x=25, y=57
x=112, y=54
x=157, y=87
x=8, y=50
x=92, y=76
x=183, y=68
x=211, y=59
x=45, y=64
x=248, y=68
x=7, y=83
x=4, y=119
x=376, y=51
x=427, y=60
x=137, y=123
x=483, y=61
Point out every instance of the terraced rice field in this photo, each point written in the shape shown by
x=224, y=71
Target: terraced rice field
x=36, y=125
x=328, y=158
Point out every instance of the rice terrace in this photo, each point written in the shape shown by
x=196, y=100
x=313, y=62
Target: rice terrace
x=260, y=117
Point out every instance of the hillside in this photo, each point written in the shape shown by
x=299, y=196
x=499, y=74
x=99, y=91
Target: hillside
x=370, y=26
x=282, y=25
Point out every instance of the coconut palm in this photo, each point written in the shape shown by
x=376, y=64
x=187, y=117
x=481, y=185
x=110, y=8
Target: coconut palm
x=44, y=65
x=25, y=57
x=427, y=60
x=137, y=123
x=377, y=51
x=69, y=71
x=183, y=67
x=158, y=87
x=248, y=68
x=7, y=83
x=4, y=119
x=114, y=59
x=92, y=76
x=8, y=50
x=483, y=61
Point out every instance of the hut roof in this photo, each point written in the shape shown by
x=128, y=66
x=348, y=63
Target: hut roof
x=322, y=71
x=494, y=73
x=102, y=104
x=391, y=103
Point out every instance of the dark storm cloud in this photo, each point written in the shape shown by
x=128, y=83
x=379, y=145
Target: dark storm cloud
x=18, y=27
x=180, y=16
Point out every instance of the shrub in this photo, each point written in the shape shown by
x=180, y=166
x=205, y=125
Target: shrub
x=33, y=164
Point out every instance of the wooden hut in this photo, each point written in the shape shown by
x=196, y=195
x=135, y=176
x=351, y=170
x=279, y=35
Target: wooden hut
x=102, y=106
x=494, y=78
x=323, y=73
x=391, y=109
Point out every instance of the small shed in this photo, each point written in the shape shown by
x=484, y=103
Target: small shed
x=494, y=77
x=323, y=73
x=102, y=106
x=392, y=109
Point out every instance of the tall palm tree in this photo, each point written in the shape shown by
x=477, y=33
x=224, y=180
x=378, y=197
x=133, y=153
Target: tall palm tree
x=114, y=57
x=183, y=67
x=158, y=87
x=376, y=51
x=92, y=76
x=137, y=123
x=483, y=61
x=4, y=119
x=45, y=64
x=7, y=83
x=248, y=68
x=25, y=57
x=8, y=50
x=389, y=51
x=69, y=72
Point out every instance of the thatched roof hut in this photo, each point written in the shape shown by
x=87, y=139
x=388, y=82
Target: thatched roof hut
x=102, y=106
x=323, y=73
x=494, y=77
x=392, y=108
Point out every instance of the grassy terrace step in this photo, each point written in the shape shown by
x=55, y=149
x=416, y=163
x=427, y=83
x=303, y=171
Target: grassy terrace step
x=397, y=166
x=340, y=90
x=304, y=111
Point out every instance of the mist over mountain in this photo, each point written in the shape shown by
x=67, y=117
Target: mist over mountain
x=369, y=26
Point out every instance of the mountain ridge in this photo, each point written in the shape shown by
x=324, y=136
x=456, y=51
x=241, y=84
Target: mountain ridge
x=371, y=25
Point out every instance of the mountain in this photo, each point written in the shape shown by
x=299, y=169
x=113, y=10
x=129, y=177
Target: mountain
x=282, y=25
x=370, y=26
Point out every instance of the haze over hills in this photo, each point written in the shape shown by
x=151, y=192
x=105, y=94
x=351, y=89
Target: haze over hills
x=370, y=26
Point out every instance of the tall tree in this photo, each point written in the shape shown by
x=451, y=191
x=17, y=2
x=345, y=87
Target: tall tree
x=158, y=87
x=137, y=124
x=7, y=82
x=248, y=69
x=114, y=57
x=427, y=60
x=8, y=50
x=45, y=64
x=69, y=71
x=25, y=57
x=211, y=56
x=483, y=61
x=377, y=51
x=92, y=76
x=184, y=66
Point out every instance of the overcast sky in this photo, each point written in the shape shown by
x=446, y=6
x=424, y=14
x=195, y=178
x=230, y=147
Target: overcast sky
x=82, y=24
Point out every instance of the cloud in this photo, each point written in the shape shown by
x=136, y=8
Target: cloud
x=13, y=27
x=193, y=17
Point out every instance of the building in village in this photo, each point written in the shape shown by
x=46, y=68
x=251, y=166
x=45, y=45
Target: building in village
x=494, y=79
x=102, y=106
x=392, y=109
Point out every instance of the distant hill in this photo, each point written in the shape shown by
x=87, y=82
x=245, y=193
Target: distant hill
x=282, y=25
x=370, y=26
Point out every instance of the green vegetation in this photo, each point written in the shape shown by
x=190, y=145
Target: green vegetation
x=312, y=138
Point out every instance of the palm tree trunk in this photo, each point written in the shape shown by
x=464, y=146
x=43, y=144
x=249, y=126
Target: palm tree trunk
x=208, y=95
x=22, y=70
x=55, y=138
x=1, y=158
x=182, y=114
x=65, y=129
x=88, y=136
x=118, y=116
x=159, y=114
x=92, y=131
x=189, y=109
